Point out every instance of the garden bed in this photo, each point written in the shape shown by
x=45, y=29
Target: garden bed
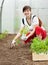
x=20, y=55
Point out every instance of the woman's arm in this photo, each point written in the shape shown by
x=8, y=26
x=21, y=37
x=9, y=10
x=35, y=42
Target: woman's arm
x=32, y=32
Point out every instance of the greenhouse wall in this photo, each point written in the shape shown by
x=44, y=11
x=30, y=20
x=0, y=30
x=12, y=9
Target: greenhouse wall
x=8, y=16
x=12, y=13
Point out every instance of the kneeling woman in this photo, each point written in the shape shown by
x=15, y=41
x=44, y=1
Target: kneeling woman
x=35, y=27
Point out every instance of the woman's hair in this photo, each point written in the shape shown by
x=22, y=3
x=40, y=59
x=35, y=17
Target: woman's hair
x=26, y=7
x=40, y=22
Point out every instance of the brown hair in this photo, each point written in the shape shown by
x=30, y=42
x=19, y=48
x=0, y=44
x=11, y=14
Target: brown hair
x=26, y=7
x=40, y=22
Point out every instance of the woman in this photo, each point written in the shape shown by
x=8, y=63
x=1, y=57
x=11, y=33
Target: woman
x=32, y=22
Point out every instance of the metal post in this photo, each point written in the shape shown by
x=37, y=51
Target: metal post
x=1, y=14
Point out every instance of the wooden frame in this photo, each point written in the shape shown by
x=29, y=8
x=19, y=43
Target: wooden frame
x=39, y=57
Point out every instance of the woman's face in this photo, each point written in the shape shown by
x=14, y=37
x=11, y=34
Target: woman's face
x=27, y=13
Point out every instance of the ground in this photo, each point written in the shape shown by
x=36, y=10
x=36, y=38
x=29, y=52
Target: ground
x=20, y=55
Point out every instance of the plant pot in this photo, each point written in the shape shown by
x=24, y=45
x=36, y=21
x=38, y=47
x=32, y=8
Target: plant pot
x=39, y=57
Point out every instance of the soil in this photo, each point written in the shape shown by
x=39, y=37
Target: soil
x=20, y=55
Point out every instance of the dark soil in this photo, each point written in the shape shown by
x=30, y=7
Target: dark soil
x=20, y=55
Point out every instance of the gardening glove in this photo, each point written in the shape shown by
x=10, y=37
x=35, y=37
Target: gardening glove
x=24, y=37
x=13, y=41
x=12, y=44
